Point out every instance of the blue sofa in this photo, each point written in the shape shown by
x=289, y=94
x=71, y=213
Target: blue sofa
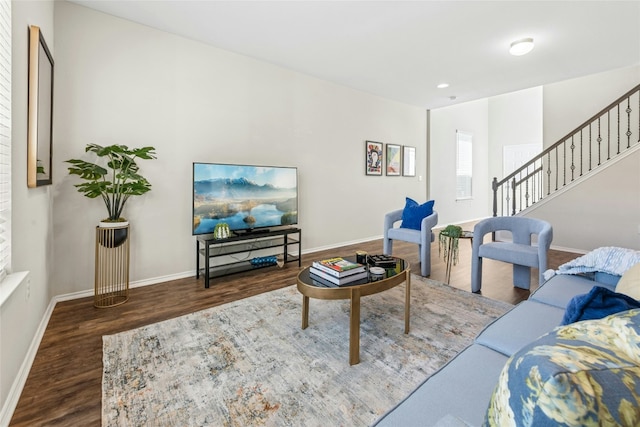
x=460, y=392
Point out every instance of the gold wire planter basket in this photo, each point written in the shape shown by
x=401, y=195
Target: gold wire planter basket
x=112, y=266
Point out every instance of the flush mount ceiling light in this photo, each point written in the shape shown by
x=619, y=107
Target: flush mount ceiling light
x=521, y=47
x=443, y=85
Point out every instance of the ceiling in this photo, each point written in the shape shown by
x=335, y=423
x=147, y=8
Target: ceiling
x=402, y=50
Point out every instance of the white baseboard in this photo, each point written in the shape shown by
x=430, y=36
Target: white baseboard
x=18, y=384
x=337, y=245
x=563, y=249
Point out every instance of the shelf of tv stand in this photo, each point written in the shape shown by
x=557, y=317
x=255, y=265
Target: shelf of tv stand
x=207, y=247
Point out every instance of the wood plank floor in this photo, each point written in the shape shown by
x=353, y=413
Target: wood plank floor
x=64, y=385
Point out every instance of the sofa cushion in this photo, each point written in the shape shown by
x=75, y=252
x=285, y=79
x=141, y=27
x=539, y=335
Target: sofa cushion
x=559, y=290
x=585, y=373
x=524, y=323
x=462, y=387
x=404, y=234
x=414, y=213
x=598, y=303
x=629, y=283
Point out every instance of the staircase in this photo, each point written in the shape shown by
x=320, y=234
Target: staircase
x=608, y=134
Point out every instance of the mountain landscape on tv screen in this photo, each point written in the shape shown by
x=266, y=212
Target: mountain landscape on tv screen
x=241, y=203
x=239, y=188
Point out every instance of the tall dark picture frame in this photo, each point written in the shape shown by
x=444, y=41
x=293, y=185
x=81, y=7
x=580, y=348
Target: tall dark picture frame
x=40, y=111
x=373, y=158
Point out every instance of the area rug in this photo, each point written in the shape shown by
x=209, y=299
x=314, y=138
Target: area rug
x=249, y=363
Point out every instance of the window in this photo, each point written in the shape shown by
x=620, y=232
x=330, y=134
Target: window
x=464, y=165
x=5, y=137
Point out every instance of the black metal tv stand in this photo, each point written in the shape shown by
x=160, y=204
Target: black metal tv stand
x=210, y=248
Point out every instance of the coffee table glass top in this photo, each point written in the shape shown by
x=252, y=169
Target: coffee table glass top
x=310, y=279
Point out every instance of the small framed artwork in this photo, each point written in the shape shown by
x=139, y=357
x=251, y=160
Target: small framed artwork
x=408, y=161
x=394, y=161
x=373, y=158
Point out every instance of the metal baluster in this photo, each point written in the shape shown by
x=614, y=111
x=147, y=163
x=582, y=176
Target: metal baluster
x=608, y=134
x=541, y=183
x=513, y=189
x=564, y=169
x=548, y=173
x=618, y=107
x=573, y=165
x=628, y=110
x=581, y=146
x=599, y=141
x=590, y=146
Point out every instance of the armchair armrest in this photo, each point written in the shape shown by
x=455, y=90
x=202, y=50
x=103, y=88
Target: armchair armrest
x=481, y=229
x=427, y=224
x=391, y=218
x=544, y=243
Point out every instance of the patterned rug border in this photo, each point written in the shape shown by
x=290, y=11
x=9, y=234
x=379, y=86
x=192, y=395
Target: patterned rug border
x=249, y=362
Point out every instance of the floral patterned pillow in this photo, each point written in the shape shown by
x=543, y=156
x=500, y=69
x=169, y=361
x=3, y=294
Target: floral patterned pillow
x=585, y=373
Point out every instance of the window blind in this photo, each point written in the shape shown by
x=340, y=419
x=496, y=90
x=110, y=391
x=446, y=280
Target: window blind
x=5, y=137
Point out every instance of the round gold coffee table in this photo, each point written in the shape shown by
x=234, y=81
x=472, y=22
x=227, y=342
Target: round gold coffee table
x=311, y=288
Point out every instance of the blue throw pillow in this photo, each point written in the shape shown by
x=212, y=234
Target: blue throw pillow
x=598, y=303
x=413, y=213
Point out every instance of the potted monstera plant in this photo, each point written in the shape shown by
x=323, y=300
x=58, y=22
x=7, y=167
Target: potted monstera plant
x=114, y=177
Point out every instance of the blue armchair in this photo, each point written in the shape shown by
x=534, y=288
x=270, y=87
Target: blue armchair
x=422, y=237
x=520, y=252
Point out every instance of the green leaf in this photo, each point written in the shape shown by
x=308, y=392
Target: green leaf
x=116, y=182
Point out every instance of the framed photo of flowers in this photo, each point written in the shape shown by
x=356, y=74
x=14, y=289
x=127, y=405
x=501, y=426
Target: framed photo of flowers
x=373, y=158
x=394, y=160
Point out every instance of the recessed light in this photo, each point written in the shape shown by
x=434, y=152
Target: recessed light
x=443, y=85
x=521, y=47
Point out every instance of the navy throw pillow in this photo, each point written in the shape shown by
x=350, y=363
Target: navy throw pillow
x=598, y=303
x=413, y=213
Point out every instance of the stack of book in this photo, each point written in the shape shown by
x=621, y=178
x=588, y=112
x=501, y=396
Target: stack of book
x=338, y=271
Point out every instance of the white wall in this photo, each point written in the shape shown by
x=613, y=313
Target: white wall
x=514, y=119
x=31, y=225
x=121, y=82
x=570, y=103
x=603, y=210
x=469, y=117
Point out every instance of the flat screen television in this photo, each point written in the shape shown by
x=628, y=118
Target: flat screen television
x=247, y=198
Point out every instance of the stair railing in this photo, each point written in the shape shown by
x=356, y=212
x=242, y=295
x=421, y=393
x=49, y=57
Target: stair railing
x=598, y=140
